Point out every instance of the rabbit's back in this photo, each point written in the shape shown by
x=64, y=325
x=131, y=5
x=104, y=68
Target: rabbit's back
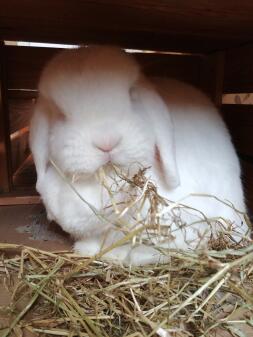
x=206, y=158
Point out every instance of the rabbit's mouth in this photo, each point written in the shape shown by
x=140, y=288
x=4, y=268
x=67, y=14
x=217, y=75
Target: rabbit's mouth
x=79, y=176
x=110, y=159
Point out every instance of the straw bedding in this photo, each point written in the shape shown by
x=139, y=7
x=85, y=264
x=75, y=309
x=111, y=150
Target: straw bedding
x=197, y=293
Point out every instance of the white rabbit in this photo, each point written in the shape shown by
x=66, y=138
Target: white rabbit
x=96, y=106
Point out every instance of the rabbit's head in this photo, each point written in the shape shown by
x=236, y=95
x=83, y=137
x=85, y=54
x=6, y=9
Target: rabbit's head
x=101, y=109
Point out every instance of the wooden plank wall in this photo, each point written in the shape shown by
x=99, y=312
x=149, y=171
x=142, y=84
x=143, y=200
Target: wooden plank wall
x=238, y=78
x=23, y=68
x=5, y=150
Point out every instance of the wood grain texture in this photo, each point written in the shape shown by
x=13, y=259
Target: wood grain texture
x=200, y=25
x=25, y=176
x=20, y=200
x=5, y=149
x=247, y=178
x=238, y=77
x=20, y=150
x=212, y=76
x=20, y=113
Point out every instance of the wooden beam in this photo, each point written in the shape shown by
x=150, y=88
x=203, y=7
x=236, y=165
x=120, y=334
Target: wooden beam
x=5, y=149
x=219, y=64
x=239, y=70
x=212, y=76
x=247, y=178
x=201, y=26
x=239, y=119
x=20, y=200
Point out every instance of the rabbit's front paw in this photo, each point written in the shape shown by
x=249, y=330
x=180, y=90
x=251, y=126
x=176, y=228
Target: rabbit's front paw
x=143, y=255
x=87, y=247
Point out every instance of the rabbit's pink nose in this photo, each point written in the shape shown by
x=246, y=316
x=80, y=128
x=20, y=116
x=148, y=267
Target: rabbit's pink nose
x=107, y=146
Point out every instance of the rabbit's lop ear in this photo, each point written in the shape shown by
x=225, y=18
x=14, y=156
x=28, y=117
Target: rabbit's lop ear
x=39, y=131
x=147, y=100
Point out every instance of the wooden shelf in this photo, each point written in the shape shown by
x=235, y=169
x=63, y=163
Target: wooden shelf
x=197, y=26
x=16, y=199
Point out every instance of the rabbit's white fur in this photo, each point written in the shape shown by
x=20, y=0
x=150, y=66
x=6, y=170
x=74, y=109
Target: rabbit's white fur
x=95, y=97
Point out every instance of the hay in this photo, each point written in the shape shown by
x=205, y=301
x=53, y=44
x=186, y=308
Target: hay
x=202, y=293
